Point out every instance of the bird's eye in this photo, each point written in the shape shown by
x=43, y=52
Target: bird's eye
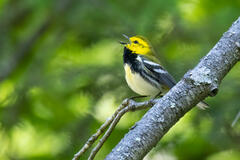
x=136, y=42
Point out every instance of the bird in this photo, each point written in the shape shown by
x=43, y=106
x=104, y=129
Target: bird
x=143, y=72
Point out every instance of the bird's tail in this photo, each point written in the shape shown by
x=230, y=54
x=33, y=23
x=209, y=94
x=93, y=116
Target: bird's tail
x=202, y=105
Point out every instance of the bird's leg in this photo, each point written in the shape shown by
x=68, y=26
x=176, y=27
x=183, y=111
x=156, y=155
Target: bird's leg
x=135, y=97
x=132, y=98
x=158, y=95
x=127, y=101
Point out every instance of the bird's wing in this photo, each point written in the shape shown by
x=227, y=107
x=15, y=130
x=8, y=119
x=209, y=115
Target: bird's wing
x=158, y=72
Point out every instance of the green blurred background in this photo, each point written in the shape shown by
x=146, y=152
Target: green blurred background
x=61, y=75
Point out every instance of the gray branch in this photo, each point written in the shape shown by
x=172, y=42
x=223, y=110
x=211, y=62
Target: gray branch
x=196, y=85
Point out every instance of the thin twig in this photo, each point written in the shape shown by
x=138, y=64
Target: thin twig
x=132, y=106
x=95, y=136
x=236, y=119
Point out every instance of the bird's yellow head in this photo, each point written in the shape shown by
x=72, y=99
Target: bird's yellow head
x=138, y=45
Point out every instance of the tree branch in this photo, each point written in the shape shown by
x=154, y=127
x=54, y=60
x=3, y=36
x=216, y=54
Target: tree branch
x=95, y=136
x=132, y=106
x=196, y=85
x=126, y=106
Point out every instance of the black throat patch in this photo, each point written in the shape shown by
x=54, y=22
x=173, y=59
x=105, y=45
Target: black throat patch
x=131, y=59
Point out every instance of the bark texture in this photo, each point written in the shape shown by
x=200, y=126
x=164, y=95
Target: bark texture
x=196, y=85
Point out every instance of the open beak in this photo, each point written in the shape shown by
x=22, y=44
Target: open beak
x=124, y=43
x=126, y=37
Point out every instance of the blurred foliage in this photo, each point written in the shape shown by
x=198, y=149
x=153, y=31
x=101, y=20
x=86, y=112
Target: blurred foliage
x=61, y=74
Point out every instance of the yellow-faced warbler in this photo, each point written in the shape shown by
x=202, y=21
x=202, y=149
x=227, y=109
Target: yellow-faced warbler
x=143, y=72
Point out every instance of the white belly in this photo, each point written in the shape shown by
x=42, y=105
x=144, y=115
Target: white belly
x=138, y=84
